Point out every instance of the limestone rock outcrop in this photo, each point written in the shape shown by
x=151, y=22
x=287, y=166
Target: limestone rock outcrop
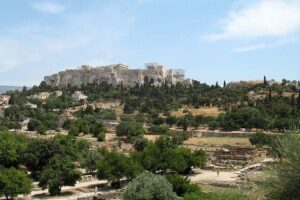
x=118, y=74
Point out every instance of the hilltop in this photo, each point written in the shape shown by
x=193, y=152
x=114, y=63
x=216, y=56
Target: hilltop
x=118, y=74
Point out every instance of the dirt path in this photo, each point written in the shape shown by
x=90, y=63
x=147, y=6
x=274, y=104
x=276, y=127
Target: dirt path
x=209, y=176
x=37, y=193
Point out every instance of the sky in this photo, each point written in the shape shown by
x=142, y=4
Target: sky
x=212, y=40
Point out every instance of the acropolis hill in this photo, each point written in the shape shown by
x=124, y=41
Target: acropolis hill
x=118, y=74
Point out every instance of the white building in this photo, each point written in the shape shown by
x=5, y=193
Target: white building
x=41, y=96
x=78, y=96
x=4, y=99
x=58, y=93
x=31, y=105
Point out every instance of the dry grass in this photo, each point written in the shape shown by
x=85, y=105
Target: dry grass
x=218, y=141
x=205, y=111
x=152, y=137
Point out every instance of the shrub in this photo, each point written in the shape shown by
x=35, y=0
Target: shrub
x=158, y=121
x=181, y=185
x=171, y=120
x=160, y=130
x=148, y=187
x=74, y=131
x=101, y=137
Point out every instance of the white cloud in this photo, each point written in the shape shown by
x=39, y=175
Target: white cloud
x=250, y=48
x=48, y=7
x=264, y=45
x=261, y=19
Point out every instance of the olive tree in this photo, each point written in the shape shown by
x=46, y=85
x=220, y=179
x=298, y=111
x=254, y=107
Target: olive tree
x=13, y=183
x=147, y=187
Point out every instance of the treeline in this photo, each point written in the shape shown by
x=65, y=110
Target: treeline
x=274, y=109
x=54, y=162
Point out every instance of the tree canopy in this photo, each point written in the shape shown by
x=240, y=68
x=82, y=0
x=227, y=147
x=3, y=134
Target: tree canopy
x=148, y=187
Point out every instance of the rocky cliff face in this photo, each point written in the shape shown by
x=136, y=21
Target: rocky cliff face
x=116, y=74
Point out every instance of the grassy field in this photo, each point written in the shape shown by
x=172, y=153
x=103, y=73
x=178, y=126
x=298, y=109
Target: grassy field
x=250, y=194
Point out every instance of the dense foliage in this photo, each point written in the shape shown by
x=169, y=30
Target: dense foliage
x=147, y=187
x=166, y=154
x=14, y=182
x=114, y=166
x=282, y=180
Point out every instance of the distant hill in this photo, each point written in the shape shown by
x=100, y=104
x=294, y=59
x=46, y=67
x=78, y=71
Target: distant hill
x=4, y=88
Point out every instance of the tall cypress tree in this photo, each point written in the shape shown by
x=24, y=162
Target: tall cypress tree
x=298, y=100
x=293, y=100
x=270, y=95
x=265, y=81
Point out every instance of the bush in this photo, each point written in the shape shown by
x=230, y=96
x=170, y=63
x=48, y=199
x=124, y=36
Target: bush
x=171, y=120
x=140, y=143
x=282, y=179
x=181, y=136
x=129, y=129
x=260, y=139
x=33, y=124
x=101, y=137
x=74, y=131
x=158, y=121
x=41, y=129
x=160, y=130
x=181, y=185
x=148, y=187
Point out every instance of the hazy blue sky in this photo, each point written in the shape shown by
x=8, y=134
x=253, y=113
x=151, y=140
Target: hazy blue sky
x=213, y=40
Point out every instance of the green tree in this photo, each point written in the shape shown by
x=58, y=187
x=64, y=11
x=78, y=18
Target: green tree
x=99, y=131
x=171, y=120
x=73, y=131
x=129, y=129
x=158, y=121
x=13, y=183
x=265, y=81
x=71, y=147
x=12, y=113
x=140, y=143
x=90, y=161
x=165, y=154
x=183, y=122
x=148, y=187
x=113, y=166
x=38, y=155
x=12, y=148
x=36, y=125
x=59, y=172
x=260, y=139
x=12, y=100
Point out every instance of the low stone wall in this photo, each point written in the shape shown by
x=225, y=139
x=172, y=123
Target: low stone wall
x=223, y=134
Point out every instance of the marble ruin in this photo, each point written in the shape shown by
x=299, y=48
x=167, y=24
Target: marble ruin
x=118, y=74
